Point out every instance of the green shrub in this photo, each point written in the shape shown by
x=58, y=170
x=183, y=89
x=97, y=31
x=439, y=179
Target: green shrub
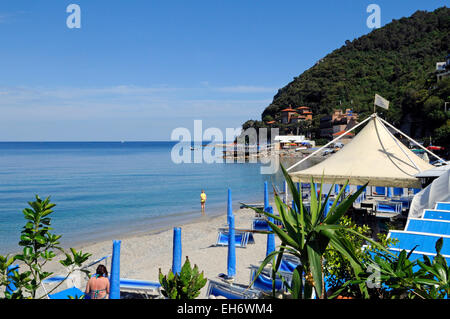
x=185, y=285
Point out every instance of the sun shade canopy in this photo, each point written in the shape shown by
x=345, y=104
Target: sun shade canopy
x=375, y=156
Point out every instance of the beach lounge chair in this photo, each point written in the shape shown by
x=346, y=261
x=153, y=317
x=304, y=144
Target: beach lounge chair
x=442, y=206
x=425, y=242
x=69, y=293
x=241, y=238
x=432, y=226
x=264, y=280
x=436, y=214
x=288, y=263
x=388, y=207
x=404, y=201
x=229, y=291
x=143, y=287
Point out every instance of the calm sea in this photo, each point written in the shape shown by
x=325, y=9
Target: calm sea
x=106, y=189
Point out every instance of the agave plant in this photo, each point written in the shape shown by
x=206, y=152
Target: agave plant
x=307, y=234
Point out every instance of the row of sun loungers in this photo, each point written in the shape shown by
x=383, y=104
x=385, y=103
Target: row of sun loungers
x=424, y=232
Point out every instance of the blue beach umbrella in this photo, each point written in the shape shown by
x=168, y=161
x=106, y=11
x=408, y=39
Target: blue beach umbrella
x=347, y=190
x=270, y=237
x=114, y=290
x=389, y=192
x=176, y=257
x=336, y=189
x=266, y=196
x=231, y=260
x=229, y=206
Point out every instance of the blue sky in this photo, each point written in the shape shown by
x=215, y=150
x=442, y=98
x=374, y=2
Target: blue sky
x=136, y=70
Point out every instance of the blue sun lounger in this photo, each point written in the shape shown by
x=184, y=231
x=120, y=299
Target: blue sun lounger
x=260, y=224
x=442, y=206
x=73, y=292
x=229, y=291
x=241, y=238
x=388, y=207
x=436, y=214
x=264, y=280
x=425, y=242
x=140, y=286
x=432, y=226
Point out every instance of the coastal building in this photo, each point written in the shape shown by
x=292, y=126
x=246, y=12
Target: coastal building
x=292, y=116
x=443, y=69
x=287, y=115
x=290, y=141
x=338, y=121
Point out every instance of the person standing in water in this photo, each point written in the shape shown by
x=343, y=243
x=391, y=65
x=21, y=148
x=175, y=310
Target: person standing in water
x=203, y=201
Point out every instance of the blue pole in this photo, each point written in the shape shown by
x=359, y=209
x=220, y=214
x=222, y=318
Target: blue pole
x=298, y=188
x=114, y=291
x=270, y=237
x=11, y=287
x=336, y=189
x=266, y=196
x=176, y=260
x=231, y=261
x=389, y=192
x=229, y=207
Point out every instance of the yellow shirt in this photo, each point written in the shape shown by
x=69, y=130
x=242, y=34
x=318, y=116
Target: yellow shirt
x=202, y=197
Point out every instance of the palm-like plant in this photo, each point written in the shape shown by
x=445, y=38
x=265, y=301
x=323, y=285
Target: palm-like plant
x=307, y=234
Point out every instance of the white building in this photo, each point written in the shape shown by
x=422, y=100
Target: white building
x=443, y=69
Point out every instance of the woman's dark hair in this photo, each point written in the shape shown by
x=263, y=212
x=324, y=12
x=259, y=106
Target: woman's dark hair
x=101, y=271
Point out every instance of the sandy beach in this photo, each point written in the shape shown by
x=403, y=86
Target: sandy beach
x=142, y=255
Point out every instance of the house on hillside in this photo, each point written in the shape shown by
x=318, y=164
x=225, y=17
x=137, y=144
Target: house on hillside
x=290, y=115
x=287, y=115
x=443, y=69
x=338, y=121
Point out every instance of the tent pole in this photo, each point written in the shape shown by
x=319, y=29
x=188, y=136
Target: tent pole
x=409, y=138
x=315, y=152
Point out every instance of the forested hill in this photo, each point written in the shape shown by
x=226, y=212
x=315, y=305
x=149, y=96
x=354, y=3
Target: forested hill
x=397, y=61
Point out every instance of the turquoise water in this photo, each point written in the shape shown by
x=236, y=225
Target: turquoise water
x=105, y=189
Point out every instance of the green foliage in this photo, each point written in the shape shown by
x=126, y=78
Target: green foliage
x=39, y=246
x=308, y=234
x=338, y=270
x=185, y=285
x=396, y=277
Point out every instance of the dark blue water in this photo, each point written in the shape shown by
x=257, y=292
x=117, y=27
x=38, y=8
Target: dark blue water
x=102, y=189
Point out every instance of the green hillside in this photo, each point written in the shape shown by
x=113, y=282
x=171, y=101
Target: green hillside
x=397, y=61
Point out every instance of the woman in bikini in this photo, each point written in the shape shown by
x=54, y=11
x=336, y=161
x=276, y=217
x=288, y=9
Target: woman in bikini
x=98, y=285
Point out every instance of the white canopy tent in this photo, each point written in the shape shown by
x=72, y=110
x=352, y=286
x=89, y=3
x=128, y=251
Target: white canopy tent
x=374, y=155
x=437, y=191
